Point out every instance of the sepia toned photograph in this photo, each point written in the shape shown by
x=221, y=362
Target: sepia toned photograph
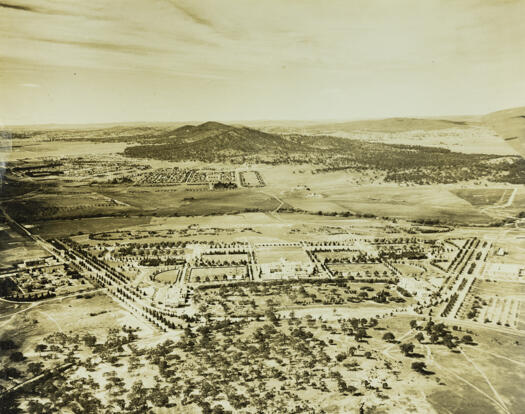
x=273, y=206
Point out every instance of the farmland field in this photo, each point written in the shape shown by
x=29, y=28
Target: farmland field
x=61, y=228
x=483, y=197
x=390, y=201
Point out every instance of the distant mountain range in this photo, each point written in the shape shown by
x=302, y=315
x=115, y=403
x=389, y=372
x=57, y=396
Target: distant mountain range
x=509, y=124
x=268, y=135
x=378, y=125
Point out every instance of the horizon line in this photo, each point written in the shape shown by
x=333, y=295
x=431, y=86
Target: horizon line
x=237, y=121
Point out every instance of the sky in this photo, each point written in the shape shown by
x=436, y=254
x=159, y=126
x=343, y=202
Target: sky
x=77, y=61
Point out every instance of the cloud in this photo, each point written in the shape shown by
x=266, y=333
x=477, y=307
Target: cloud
x=16, y=7
x=108, y=46
x=196, y=18
x=57, y=9
x=259, y=59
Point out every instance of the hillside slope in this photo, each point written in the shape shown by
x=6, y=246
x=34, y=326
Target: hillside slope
x=389, y=125
x=510, y=125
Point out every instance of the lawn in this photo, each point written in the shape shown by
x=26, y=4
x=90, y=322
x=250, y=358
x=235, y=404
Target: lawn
x=168, y=277
x=275, y=254
x=362, y=268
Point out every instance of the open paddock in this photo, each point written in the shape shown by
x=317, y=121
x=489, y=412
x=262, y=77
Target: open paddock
x=394, y=201
x=9, y=308
x=64, y=205
x=225, y=202
x=483, y=196
x=17, y=252
x=74, y=200
x=505, y=271
x=409, y=269
x=514, y=250
x=89, y=313
x=467, y=391
x=313, y=204
x=486, y=288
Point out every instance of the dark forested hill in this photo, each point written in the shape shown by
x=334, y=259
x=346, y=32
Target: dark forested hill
x=213, y=141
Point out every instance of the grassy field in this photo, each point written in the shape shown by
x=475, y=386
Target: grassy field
x=19, y=251
x=408, y=269
x=168, y=277
x=501, y=288
x=226, y=202
x=8, y=308
x=482, y=196
x=183, y=201
x=392, y=201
